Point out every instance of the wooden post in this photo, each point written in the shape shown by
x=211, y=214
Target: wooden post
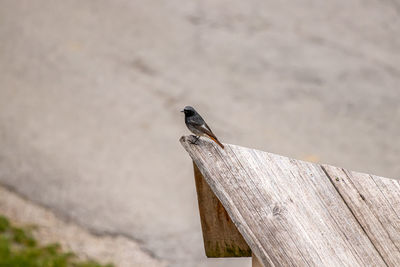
x=221, y=238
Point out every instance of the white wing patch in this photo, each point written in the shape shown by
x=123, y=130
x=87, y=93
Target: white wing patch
x=205, y=128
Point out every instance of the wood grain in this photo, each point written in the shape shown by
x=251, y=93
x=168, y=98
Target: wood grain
x=288, y=211
x=375, y=202
x=221, y=238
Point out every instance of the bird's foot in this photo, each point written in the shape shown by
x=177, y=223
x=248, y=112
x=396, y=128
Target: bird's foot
x=195, y=141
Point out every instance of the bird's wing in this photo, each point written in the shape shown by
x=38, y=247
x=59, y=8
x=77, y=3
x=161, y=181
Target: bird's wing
x=199, y=123
x=206, y=127
x=211, y=135
x=196, y=120
x=207, y=130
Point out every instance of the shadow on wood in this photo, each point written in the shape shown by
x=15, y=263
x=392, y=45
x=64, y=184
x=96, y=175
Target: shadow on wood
x=221, y=238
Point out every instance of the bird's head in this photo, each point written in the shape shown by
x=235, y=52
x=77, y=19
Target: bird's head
x=189, y=111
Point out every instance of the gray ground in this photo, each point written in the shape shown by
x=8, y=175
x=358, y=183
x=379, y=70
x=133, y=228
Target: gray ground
x=90, y=93
x=48, y=229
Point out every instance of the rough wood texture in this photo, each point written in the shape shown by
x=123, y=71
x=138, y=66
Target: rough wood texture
x=375, y=202
x=291, y=213
x=221, y=238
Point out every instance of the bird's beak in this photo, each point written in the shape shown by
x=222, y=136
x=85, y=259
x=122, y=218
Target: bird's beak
x=181, y=110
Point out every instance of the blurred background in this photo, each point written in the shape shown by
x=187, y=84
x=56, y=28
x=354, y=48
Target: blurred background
x=90, y=94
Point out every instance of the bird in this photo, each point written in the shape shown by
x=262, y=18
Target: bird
x=198, y=126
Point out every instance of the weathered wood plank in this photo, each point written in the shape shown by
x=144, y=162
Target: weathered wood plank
x=288, y=211
x=375, y=202
x=221, y=238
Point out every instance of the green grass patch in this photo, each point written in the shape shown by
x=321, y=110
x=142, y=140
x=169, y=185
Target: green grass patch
x=18, y=248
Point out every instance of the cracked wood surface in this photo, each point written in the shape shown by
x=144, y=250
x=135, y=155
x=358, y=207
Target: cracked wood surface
x=295, y=213
x=375, y=202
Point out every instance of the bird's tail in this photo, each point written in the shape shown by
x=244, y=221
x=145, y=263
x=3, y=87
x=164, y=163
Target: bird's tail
x=214, y=138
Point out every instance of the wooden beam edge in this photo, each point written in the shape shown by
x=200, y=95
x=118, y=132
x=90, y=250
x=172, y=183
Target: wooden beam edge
x=220, y=235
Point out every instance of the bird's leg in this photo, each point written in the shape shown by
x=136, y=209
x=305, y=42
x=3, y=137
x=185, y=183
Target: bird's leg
x=195, y=141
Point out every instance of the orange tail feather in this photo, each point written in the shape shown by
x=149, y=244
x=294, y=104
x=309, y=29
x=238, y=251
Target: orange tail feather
x=216, y=141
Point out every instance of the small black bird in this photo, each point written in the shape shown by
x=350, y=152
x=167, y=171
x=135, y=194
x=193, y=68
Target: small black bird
x=198, y=126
